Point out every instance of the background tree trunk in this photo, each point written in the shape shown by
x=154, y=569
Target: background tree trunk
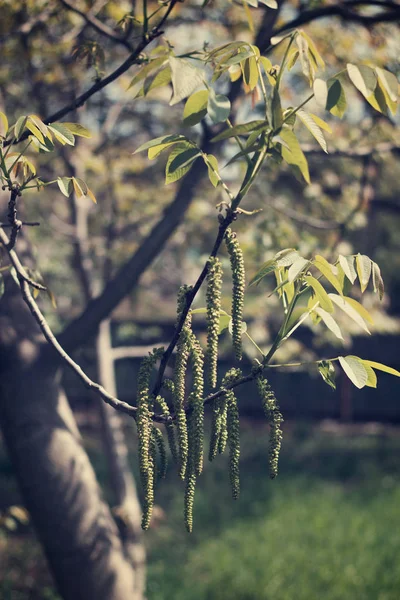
x=58, y=484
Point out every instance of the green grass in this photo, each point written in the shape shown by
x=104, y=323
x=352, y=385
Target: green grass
x=327, y=528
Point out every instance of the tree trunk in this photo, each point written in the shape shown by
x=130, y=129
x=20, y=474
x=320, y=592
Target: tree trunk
x=126, y=507
x=59, y=487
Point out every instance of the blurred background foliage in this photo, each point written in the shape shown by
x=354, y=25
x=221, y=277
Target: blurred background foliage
x=325, y=528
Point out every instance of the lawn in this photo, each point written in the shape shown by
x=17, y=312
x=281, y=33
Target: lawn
x=328, y=527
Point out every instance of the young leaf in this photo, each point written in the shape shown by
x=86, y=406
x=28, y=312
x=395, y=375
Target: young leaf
x=296, y=268
x=320, y=293
x=304, y=58
x=362, y=311
x=146, y=70
x=3, y=124
x=163, y=140
x=377, y=280
x=270, y=3
x=185, y=79
x=20, y=126
x=327, y=372
x=313, y=50
x=160, y=78
x=62, y=134
x=321, y=123
x=329, y=322
x=355, y=370
x=294, y=156
x=76, y=129
x=218, y=107
x=364, y=268
x=268, y=267
x=350, y=311
x=250, y=72
x=80, y=187
x=65, y=185
x=276, y=109
x=212, y=165
x=326, y=269
x=363, y=78
x=347, y=264
x=381, y=367
x=195, y=108
x=179, y=162
x=389, y=85
x=320, y=92
x=286, y=257
x=336, y=101
x=242, y=129
x=372, y=379
x=313, y=128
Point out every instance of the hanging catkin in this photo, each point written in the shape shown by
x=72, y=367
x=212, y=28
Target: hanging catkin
x=196, y=406
x=159, y=442
x=190, y=489
x=213, y=298
x=239, y=282
x=274, y=417
x=215, y=429
x=182, y=356
x=233, y=443
x=169, y=426
x=144, y=426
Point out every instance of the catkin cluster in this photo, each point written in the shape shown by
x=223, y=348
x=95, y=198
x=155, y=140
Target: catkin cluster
x=275, y=419
x=213, y=297
x=169, y=426
x=238, y=287
x=145, y=433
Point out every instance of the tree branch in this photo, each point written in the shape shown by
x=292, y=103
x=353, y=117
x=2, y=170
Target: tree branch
x=134, y=58
x=345, y=11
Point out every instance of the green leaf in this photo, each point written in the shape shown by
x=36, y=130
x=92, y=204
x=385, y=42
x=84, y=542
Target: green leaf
x=372, y=380
x=3, y=124
x=20, y=126
x=326, y=269
x=351, y=311
x=270, y=3
x=224, y=317
x=355, y=370
x=276, y=109
x=65, y=185
x=329, y=322
x=146, y=70
x=296, y=268
x=250, y=72
x=381, y=367
x=304, y=58
x=80, y=187
x=185, y=79
x=320, y=293
x=364, y=268
x=34, y=130
x=377, y=280
x=39, y=124
x=184, y=158
x=313, y=128
x=313, y=50
x=195, y=108
x=218, y=107
x=175, y=158
x=76, y=129
x=347, y=264
x=268, y=267
x=294, y=156
x=160, y=141
x=62, y=134
x=286, y=257
x=242, y=129
x=362, y=311
x=320, y=92
x=321, y=123
x=212, y=165
x=336, y=101
x=1, y=285
x=388, y=83
x=327, y=371
x=363, y=78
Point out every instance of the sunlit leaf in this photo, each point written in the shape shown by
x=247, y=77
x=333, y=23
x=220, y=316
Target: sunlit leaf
x=76, y=129
x=326, y=269
x=336, y=101
x=320, y=293
x=321, y=123
x=195, y=108
x=313, y=128
x=294, y=156
x=185, y=79
x=363, y=78
x=19, y=127
x=62, y=134
x=250, y=72
x=381, y=367
x=355, y=370
x=163, y=140
x=296, y=268
x=329, y=322
x=372, y=379
x=347, y=264
x=320, y=92
x=65, y=185
x=364, y=268
x=3, y=124
x=212, y=165
x=350, y=310
x=242, y=129
x=189, y=156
